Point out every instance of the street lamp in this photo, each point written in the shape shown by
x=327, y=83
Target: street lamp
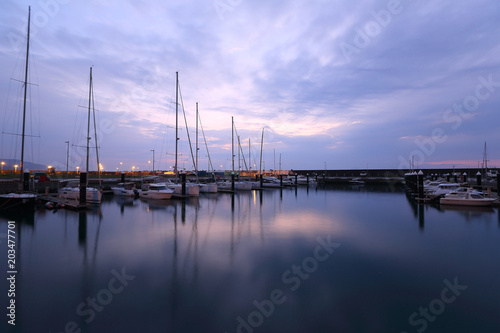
x=15, y=166
x=3, y=163
x=77, y=170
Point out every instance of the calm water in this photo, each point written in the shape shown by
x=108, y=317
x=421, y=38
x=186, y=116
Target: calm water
x=317, y=260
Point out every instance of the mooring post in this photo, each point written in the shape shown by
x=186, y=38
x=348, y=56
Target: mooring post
x=122, y=177
x=456, y=177
x=26, y=180
x=465, y=177
x=296, y=179
x=448, y=177
x=420, y=184
x=183, y=181
x=307, y=179
x=261, y=181
x=83, y=188
x=478, y=178
x=281, y=180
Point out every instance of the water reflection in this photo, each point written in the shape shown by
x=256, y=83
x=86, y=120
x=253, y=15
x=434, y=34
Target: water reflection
x=202, y=263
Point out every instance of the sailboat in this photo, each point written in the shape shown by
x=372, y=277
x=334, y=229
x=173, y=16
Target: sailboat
x=21, y=200
x=210, y=187
x=238, y=185
x=192, y=190
x=93, y=195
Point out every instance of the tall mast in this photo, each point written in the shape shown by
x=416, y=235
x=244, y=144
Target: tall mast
x=261, y=146
x=239, y=148
x=25, y=92
x=176, y=118
x=249, y=157
x=88, y=124
x=95, y=140
x=232, y=141
x=196, y=164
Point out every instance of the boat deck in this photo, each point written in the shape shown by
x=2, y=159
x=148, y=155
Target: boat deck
x=70, y=204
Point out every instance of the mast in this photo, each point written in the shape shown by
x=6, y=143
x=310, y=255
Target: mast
x=261, y=146
x=232, y=141
x=206, y=146
x=25, y=93
x=176, y=119
x=249, y=157
x=95, y=140
x=196, y=163
x=88, y=124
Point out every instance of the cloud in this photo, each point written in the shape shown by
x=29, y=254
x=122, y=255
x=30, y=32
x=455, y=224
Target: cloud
x=272, y=65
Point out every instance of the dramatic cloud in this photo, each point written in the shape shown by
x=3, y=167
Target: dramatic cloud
x=349, y=84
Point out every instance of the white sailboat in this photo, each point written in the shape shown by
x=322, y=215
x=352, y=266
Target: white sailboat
x=93, y=195
x=21, y=200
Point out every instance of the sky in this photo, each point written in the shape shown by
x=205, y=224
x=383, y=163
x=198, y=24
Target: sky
x=334, y=84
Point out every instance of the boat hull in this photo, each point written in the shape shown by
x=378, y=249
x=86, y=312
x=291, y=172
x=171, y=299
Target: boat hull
x=208, y=188
x=192, y=190
x=93, y=195
x=467, y=202
x=157, y=194
x=123, y=192
x=17, y=202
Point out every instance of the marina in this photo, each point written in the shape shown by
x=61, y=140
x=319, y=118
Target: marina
x=212, y=263
x=334, y=185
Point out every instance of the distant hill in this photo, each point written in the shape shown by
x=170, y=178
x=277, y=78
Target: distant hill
x=9, y=165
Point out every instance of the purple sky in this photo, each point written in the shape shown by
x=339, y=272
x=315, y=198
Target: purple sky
x=346, y=84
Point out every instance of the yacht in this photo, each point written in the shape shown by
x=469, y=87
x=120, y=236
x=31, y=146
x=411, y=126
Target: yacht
x=466, y=197
x=126, y=189
x=436, y=189
x=159, y=191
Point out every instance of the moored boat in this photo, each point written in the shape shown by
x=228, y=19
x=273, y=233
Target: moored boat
x=208, y=188
x=126, y=189
x=158, y=191
x=466, y=197
x=17, y=201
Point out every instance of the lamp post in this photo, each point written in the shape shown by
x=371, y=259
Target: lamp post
x=153, y=160
x=77, y=170
x=67, y=160
x=3, y=163
x=15, y=168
